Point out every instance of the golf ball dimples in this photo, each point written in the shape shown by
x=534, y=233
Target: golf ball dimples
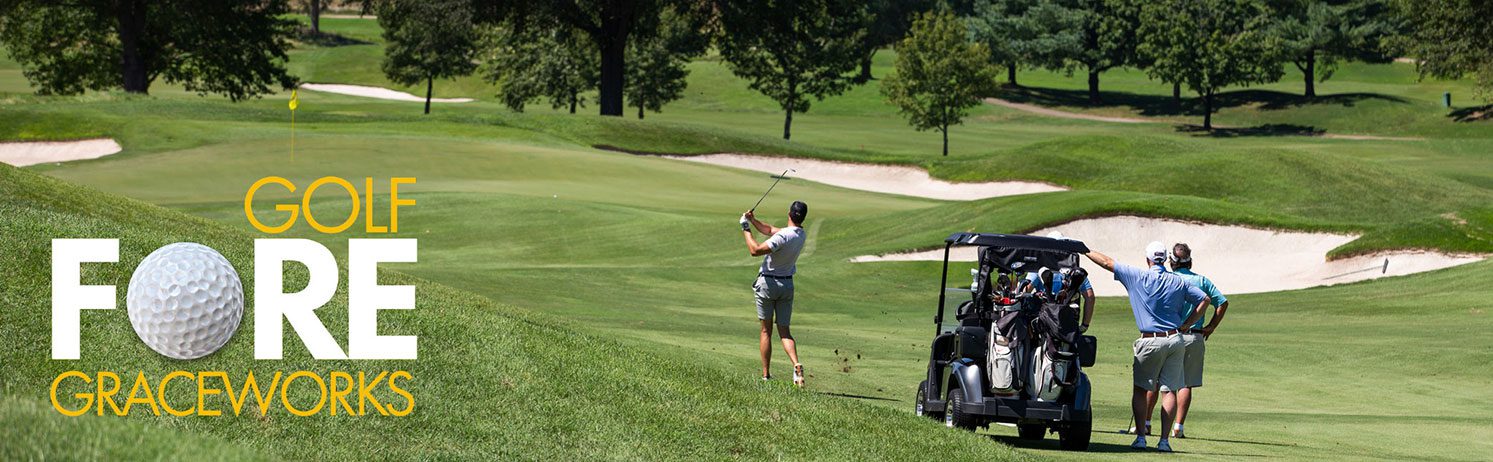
x=185, y=300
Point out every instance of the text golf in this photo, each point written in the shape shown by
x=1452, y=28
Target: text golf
x=185, y=301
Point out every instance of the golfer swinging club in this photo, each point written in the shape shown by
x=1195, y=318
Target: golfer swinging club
x=1158, y=299
x=774, y=286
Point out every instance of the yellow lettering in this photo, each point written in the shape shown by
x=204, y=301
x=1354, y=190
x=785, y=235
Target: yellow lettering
x=339, y=395
x=395, y=201
x=364, y=394
x=167, y=405
x=135, y=398
x=401, y=392
x=249, y=205
x=321, y=398
x=86, y=397
x=109, y=395
x=203, y=391
x=306, y=204
x=368, y=225
x=243, y=393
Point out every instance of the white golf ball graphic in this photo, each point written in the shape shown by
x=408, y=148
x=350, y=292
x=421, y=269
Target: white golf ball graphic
x=185, y=300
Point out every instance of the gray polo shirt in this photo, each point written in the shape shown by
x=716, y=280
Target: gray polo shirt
x=786, y=245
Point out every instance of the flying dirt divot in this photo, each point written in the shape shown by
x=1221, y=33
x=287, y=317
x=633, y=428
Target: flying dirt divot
x=906, y=181
x=25, y=153
x=1237, y=259
x=376, y=92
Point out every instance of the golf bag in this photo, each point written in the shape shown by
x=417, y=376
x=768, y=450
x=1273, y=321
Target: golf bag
x=1055, y=330
x=1054, y=360
x=1009, y=339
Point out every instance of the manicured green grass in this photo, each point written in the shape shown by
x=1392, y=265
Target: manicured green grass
x=638, y=275
x=492, y=381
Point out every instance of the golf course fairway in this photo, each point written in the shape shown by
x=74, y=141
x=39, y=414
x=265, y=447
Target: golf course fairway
x=579, y=300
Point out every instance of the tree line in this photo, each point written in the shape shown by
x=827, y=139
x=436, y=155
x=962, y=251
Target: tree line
x=634, y=53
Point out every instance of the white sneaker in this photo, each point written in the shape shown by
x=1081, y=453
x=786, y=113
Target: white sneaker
x=798, y=375
x=1163, y=446
x=1140, y=442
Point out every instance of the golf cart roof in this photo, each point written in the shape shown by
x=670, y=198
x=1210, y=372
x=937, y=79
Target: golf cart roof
x=1017, y=241
x=1017, y=253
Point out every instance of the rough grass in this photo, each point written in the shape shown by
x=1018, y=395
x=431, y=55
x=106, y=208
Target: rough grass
x=492, y=382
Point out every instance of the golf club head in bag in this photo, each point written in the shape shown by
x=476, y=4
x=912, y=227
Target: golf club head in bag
x=1073, y=280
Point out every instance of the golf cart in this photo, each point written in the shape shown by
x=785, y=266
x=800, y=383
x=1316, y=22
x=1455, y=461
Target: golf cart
x=1015, y=355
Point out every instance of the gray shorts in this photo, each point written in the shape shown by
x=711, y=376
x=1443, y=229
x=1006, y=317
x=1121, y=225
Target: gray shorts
x=774, y=299
x=1192, y=365
x=1159, y=362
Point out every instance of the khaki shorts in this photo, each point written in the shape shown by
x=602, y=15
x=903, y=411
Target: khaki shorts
x=1194, y=345
x=774, y=299
x=1159, y=362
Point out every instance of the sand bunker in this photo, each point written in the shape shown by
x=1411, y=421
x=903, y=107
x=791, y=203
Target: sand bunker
x=375, y=92
x=25, y=153
x=906, y=181
x=1237, y=259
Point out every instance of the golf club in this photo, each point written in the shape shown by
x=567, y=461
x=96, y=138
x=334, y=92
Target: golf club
x=1383, y=269
x=782, y=177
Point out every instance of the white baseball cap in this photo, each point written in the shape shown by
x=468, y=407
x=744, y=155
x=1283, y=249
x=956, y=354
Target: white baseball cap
x=1055, y=235
x=1156, y=252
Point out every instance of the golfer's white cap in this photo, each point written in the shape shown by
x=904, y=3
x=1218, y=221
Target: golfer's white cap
x=1055, y=235
x=1156, y=252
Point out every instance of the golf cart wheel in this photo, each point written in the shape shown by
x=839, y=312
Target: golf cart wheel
x=954, y=416
x=1033, y=432
x=1076, y=436
x=921, y=401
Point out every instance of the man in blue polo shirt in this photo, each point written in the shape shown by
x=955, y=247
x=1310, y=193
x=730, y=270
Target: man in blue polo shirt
x=1159, y=300
x=1194, y=342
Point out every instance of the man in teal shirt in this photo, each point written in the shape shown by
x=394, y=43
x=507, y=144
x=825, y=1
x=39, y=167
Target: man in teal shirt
x=1194, y=342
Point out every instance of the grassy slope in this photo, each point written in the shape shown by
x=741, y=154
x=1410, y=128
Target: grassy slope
x=485, y=372
x=865, y=326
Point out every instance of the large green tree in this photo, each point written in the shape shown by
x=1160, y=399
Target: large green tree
x=541, y=62
x=888, y=23
x=1317, y=35
x=657, y=63
x=427, y=40
x=1108, y=38
x=1207, y=45
x=313, y=12
x=792, y=50
x=609, y=24
x=940, y=74
x=231, y=47
x=1040, y=34
x=1451, y=39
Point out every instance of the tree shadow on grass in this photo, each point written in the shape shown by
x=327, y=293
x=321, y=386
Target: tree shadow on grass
x=326, y=39
x=1472, y=114
x=1051, y=443
x=848, y=395
x=1190, y=105
x=1255, y=131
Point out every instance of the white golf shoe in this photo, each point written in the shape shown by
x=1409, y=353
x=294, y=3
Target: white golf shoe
x=1140, y=442
x=1163, y=446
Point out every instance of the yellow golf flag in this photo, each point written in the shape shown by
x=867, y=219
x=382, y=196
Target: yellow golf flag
x=295, y=101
